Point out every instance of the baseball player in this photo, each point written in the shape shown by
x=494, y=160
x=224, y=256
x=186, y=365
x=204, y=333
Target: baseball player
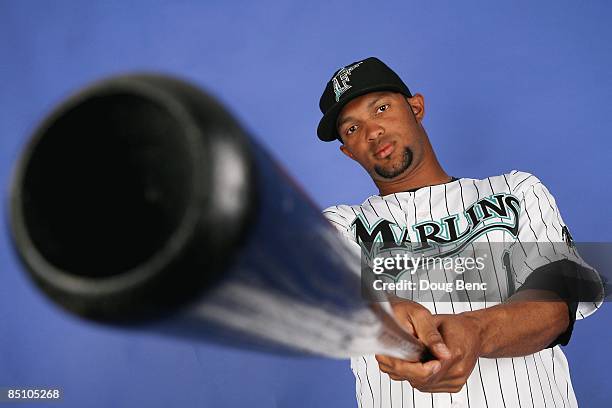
x=495, y=348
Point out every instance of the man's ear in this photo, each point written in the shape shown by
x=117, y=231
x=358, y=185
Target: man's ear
x=346, y=151
x=417, y=104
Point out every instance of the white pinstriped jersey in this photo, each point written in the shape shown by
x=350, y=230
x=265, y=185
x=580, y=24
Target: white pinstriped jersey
x=538, y=380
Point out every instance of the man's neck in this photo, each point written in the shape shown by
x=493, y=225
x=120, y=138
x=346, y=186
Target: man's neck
x=416, y=179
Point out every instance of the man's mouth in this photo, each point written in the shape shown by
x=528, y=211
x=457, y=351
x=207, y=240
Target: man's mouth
x=384, y=150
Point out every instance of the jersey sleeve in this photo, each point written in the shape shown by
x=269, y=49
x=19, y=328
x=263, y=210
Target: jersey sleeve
x=544, y=244
x=341, y=217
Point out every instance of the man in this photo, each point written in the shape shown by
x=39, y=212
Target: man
x=500, y=349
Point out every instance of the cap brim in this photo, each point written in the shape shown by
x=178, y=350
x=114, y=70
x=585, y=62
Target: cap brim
x=326, y=131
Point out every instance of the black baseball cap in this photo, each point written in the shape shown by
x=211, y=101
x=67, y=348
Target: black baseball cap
x=349, y=82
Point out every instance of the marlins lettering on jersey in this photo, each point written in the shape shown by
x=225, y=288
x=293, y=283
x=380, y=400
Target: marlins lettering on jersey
x=494, y=214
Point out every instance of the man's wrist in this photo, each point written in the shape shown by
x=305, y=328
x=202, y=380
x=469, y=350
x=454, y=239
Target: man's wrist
x=481, y=327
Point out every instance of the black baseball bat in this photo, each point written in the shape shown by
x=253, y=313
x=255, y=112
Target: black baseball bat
x=140, y=201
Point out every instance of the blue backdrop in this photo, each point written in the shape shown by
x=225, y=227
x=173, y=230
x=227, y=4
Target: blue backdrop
x=523, y=86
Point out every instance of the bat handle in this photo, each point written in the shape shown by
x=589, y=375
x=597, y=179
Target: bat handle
x=426, y=356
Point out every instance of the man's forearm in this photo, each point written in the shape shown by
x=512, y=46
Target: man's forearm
x=522, y=325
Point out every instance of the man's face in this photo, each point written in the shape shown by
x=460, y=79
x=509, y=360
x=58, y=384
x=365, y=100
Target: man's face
x=380, y=131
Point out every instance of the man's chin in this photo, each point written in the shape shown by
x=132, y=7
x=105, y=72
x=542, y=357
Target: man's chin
x=389, y=174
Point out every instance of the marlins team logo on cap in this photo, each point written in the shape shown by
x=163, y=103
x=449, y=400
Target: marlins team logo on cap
x=343, y=76
x=349, y=82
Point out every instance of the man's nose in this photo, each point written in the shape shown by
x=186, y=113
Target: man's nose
x=374, y=131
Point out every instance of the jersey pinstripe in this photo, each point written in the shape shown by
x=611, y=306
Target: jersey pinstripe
x=538, y=380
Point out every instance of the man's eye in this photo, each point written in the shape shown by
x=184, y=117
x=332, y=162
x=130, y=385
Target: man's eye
x=351, y=129
x=382, y=108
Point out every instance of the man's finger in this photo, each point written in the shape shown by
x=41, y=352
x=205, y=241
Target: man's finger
x=432, y=367
x=428, y=333
x=400, y=365
x=385, y=360
x=408, y=370
x=402, y=316
x=452, y=386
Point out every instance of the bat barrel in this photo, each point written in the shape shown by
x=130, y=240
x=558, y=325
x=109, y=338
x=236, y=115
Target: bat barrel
x=115, y=198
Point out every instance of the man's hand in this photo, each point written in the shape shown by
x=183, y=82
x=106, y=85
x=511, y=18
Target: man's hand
x=525, y=324
x=453, y=340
